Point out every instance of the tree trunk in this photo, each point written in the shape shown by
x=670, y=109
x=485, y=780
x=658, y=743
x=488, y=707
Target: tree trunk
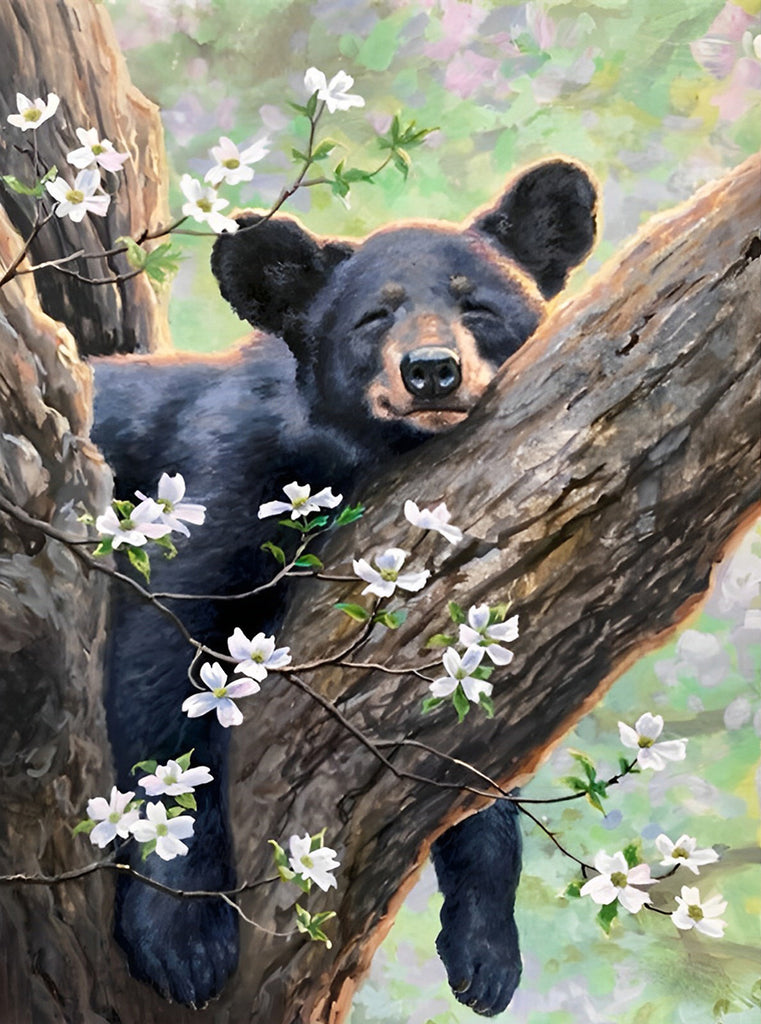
x=598, y=481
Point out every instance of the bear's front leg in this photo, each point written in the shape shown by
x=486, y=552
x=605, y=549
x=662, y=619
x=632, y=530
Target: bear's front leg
x=478, y=864
x=185, y=946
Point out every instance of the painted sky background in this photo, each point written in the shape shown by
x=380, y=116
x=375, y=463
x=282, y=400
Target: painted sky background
x=656, y=98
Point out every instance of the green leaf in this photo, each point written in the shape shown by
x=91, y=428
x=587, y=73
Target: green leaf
x=145, y=766
x=310, y=924
x=274, y=550
x=135, y=254
x=15, y=185
x=87, y=518
x=357, y=174
x=440, y=640
x=298, y=155
x=308, y=562
x=349, y=515
x=184, y=759
x=354, y=611
x=124, y=508
x=105, y=547
x=317, y=841
x=50, y=174
x=573, y=889
x=311, y=106
x=167, y=545
x=147, y=849
x=498, y=613
x=175, y=812
x=487, y=704
x=186, y=801
x=395, y=129
x=163, y=262
x=430, y=703
x=456, y=614
x=594, y=800
x=298, y=108
x=86, y=826
x=292, y=524
x=392, y=620
x=585, y=761
x=402, y=162
x=461, y=703
x=577, y=784
x=140, y=560
x=324, y=149
x=339, y=187
x=606, y=915
x=482, y=672
x=623, y=765
x=631, y=852
x=316, y=523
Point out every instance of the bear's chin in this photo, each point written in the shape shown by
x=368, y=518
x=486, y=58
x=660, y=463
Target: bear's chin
x=435, y=421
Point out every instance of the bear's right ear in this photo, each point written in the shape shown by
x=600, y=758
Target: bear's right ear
x=271, y=270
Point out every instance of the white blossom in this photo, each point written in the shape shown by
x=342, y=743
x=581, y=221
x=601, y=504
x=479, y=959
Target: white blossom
x=335, y=93
x=168, y=832
x=642, y=738
x=257, y=656
x=478, y=632
x=32, y=113
x=458, y=673
x=171, y=779
x=220, y=698
x=96, y=151
x=385, y=578
x=617, y=880
x=141, y=525
x=203, y=204
x=115, y=820
x=173, y=508
x=301, y=502
x=693, y=912
x=74, y=201
x=315, y=865
x=683, y=852
x=433, y=519
x=233, y=165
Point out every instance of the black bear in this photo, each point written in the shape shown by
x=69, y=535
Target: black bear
x=367, y=349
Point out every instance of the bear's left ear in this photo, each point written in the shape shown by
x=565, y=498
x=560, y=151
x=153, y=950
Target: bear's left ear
x=271, y=270
x=545, y=222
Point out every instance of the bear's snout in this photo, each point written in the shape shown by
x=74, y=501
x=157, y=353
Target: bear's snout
x=431, y=371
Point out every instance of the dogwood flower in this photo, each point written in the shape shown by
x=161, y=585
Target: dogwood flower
x=314, y=865
x=96, y=151
x=167, y=832
x=203, y=205
x=692, y=912
x=233, y=165
x=433, y=519
x=478, y=632
x=384, y=579
x=220, y=698
x=302, y=502
x=683, y=852
x=169, y=778
x=32, y=113
x=458, y=674
x=335, y=93
x=74, y=201
x=141, y=525
x=642, y=738
x=617, y=880
x=257, y=656
x=115, y=820
x=173, y=508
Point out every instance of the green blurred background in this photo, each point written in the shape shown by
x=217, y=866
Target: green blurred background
x=655, y=97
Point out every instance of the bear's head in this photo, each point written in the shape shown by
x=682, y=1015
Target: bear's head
x=396, y=337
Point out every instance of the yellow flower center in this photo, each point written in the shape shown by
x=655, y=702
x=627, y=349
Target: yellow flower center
x=645, y=741
x=695, y=912
x=307, y=861
x=114, y=817
x=231, y=164
x=32, y=114
x=162, y=830
x=618, y=878
x=220, y=691
x=170, y=780
x=678, y=852
x=205, y=205
x=74, y=196
x=388, y=574
x=97, y=149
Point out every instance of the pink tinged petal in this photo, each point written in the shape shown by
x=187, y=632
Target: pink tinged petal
x=469, y=637
x=120, y=800
x=252, y=669
x=199, y=704
x=475, y=687
x=58, y=190
x=273, y=508
x=443, y=686
x=682, y=919
x=714, y=929
x=640, y=875
x=411, y=512
x=152, y=785
x=650, y=726
x=103, y=834
x=608, y=865
x=714, y=906
x=664, y=845
x=413, y=581
x=191, y=513
x=365, y=571
x=243, y=688
x=98, y=808
x=451, y=661
x=499, y=655
x=297, y=492
x=279, y=658
x=181, y=827
x=472, y=659
x=392, y=559
x=672, y=750
x=168, y=847
x=648, y=757
x=171, y=488
x=112, y=161
x=326, y=499
x=702, y=857
x=383, y=588
x=628, y=736
x=601, y=889
x=478, y=617
x=197, y=776
x=124, y=827
x=632, y=900
x=239, y=645
x=213, y=675
x=143, y=831
x=506, y=632
x=228, y=713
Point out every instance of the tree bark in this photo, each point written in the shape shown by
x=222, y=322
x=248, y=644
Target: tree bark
x=602, y=475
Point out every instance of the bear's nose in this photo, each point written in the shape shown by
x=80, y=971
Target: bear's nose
x=431, y=372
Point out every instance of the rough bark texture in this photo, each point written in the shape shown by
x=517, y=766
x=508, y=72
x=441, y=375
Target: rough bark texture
x=598, y=481
x=72, y=51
